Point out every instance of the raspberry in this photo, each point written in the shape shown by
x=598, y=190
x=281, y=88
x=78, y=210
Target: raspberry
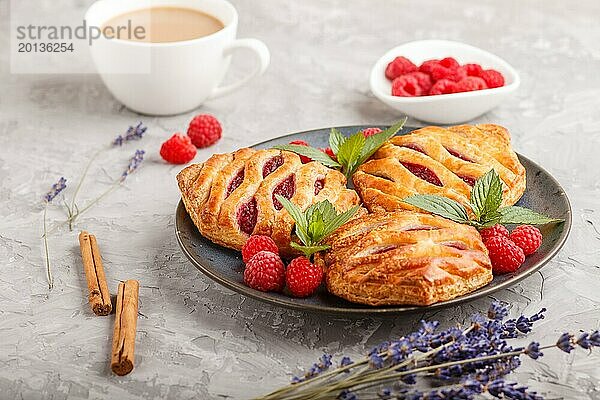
x=258, y=243
x=304, y=159
x=370, y=132
x=428, y=65
x=492, y=78
x=470, y=83
x=496, y=230
x=406, y=86
x=178, y=149
x=504, y=254
x=449, y=62
x=443, y=86
x=473, y=69
x=302, y=277
x=423, y=79
x=204, y=130
x=527, y=237
x=329, y=152
x=454, y=74
x=265, y=272
x=400, y=66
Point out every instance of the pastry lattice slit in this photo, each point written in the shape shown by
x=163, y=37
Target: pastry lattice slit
x=271, y=165
x=247, y=215
x=235, y=182
x=319, y=185
x=422, y=172
x=286, y=189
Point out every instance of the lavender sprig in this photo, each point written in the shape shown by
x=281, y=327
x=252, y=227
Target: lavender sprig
x=465, y=363
x=48, y=197
x=134, y=163
x=132, y=133
x=56, y=189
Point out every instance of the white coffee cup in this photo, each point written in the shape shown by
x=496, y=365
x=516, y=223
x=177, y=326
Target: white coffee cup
x=175, y=77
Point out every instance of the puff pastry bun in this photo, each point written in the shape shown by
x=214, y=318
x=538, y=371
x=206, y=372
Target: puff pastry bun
x=231, y=196
x=441, y=161
x=404, y=257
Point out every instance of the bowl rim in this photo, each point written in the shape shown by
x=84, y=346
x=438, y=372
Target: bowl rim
x=378, y=69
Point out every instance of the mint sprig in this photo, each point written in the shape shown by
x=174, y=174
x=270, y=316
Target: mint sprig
x=350, y=151
x=485, y=200
x=315, y=223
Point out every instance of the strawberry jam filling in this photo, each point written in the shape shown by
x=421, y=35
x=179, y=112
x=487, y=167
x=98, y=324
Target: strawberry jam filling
x=235, y=182
x=271, y=165
x=423, y=172
x=469, y=180
x=246, y=216
x=458, y=155
x=319, y=185
x=286, y=189
x=415, y=147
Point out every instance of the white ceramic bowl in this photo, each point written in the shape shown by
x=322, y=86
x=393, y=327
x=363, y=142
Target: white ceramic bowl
x=446, y=108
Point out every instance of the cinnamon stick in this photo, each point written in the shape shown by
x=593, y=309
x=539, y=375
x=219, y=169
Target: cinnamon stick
x=123, y=344
x=99, y=296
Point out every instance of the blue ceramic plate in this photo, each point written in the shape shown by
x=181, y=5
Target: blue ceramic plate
x=225, y=266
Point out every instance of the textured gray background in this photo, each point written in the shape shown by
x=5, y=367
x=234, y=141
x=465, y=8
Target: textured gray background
x=199, y=340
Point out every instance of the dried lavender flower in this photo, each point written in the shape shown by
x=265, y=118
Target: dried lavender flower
x=134, y=163
x=497, y=311
x=465, y=363
x=565, y=342
x=345, y=361
x=56, y=189
x=533, y=350
x=132, y=133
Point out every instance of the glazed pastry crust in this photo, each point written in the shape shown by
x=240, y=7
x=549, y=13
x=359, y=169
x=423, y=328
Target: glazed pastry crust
x=214, y=211
x=384, y=181
x=404, y=257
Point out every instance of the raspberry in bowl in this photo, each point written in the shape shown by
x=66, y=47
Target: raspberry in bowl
x=454, y=93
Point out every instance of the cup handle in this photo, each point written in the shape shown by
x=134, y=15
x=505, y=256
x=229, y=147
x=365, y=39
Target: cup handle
x=262, y=55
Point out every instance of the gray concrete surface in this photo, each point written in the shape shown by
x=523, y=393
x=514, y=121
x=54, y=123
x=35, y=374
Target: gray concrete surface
x=199, y=340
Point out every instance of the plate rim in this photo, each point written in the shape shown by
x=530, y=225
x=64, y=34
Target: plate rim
x=396, y=310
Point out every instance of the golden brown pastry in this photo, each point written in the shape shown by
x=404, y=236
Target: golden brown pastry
x=404, y=257
x=440, y=161
x=231, y=196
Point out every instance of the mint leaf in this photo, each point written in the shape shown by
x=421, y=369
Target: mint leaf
x=309, y=250
x=335, y=140
x=486, y=195
x=374, y=142
x=522, y=215
x=439, y=205
x=349, y=153
x=317, y=222
x=315, y=154
x=490, y=219
x=339, y=220
x=298, y=217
